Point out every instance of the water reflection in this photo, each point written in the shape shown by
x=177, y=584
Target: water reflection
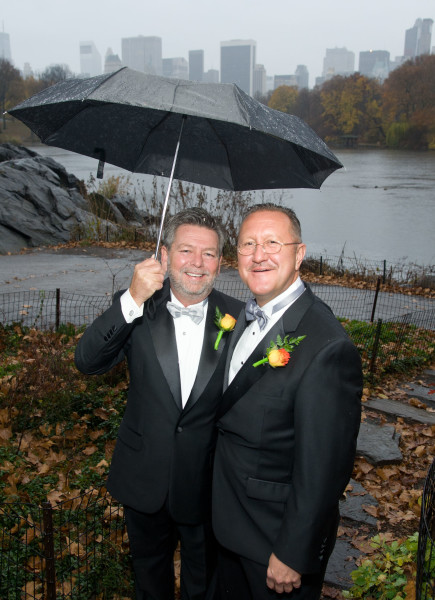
x=380, y=206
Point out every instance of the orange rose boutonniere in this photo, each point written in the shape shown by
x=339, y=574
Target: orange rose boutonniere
x=278, y=353
x=225, y=323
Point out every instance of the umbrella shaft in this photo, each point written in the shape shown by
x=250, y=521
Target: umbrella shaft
x=168, y=191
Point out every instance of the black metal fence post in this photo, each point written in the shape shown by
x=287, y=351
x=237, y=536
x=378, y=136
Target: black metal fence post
x=375, y=300
x=372, y=366
x=47, y=521
x=384, y=276
x=57, y=308
x=321, y=266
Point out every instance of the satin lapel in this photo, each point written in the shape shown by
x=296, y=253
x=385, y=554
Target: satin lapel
x=249, y=375
x=235, y=336
x=209, y=356
x=163, y=336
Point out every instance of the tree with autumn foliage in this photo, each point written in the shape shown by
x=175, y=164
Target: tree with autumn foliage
x=408, y=97
x=284, y=98
x=9, y=76
x=352, y=107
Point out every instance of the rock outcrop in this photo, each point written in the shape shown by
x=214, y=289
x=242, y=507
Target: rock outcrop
x=41, y=204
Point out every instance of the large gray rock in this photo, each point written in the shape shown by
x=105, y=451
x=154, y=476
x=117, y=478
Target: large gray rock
x=41, y=204
x=379, y=445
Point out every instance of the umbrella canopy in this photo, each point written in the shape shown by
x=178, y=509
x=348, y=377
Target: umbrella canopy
x=133, y=120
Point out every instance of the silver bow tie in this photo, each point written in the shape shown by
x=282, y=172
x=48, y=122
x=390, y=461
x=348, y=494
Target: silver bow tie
x=253, y=311
x=195, y=312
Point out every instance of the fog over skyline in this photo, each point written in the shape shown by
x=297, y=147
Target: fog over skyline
x=287, y=33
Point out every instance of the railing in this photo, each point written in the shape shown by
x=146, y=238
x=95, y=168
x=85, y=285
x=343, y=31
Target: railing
x=425, y=586
x=393, y=316
x=75, y=550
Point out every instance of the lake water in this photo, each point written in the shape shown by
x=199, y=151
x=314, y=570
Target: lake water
x=381, y=206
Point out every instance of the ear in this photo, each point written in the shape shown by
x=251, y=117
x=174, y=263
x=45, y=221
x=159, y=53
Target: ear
x=219, y=266
x=300, y=255
x=164, y=258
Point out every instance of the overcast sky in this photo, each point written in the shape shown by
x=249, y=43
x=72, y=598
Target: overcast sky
x=287, y=32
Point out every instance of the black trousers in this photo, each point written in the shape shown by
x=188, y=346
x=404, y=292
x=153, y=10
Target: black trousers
x=153, y=540
x=239, y=578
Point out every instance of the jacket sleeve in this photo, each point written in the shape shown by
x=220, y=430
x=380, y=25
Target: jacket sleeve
x=102, y=345
x=326, y=420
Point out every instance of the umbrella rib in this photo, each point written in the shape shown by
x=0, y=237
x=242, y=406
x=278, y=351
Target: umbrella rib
x=165, y=116
x=226, y=151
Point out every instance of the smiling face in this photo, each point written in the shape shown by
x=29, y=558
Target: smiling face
x=268, y=275
x=192, y=263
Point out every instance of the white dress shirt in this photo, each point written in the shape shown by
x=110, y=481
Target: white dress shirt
x=189, y=338
x=252, y=335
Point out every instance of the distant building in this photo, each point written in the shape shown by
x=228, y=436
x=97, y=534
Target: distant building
x=269, y=83
x=289, y=80
x=5, y=47
x=211, y=76
x=143, y=54
x=90, y=60
x=338, y=61
x=397, y=62
x=302, y=77
x=196, y=65
x=112, y=62
x=259, y=84
x=27, y=71
x=418, y=38
x=375, y=63
x=175, y=67
x=237, y=63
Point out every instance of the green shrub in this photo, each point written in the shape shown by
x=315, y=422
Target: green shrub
x=388, y=571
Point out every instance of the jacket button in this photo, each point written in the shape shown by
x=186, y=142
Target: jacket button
x=179, y=429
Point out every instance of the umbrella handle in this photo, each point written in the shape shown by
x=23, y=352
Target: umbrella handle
x=168, y=191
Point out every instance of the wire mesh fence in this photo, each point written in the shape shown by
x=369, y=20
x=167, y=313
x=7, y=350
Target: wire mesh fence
x=404, y=273
x=74, y=550
x=388, y=328
x=425, y=585
x=77, y=549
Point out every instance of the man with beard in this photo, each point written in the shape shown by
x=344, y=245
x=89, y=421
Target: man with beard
x=161, y=467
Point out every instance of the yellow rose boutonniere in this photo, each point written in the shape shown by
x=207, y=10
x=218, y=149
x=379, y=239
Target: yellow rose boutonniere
x=225, y=323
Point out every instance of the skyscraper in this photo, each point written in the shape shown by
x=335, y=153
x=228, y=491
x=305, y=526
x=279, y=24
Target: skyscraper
x=302, y=76
x=90, y=60
x=196, y=65
x=5, y=46
x=112, y=62
x=375, y=63
x=418, y=38
x=338, y=61
x=175, y=67
x=143, y=54
x=211, y=76
x=259, y=85
x=237, y=63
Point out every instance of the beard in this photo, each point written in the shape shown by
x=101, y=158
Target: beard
x=192, y=290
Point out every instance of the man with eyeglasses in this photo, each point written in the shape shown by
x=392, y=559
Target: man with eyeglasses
x=288, y=423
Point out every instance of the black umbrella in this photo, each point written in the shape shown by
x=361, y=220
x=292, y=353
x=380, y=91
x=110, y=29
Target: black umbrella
x=136, y=121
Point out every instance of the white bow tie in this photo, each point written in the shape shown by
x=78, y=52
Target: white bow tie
x=195, y=312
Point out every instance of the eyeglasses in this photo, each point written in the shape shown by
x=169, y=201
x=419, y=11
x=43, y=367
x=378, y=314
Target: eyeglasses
x=269, y=247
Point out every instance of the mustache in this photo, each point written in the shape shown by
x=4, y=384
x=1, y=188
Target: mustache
x=262, y=267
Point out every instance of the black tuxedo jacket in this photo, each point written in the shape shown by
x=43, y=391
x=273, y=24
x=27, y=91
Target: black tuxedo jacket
x=287, y=442
x=162, y=451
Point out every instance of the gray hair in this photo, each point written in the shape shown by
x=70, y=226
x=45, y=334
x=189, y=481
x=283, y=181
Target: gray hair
x=270, y=206
x=192, y=216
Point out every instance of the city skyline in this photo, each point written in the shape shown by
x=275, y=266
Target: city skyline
x=287, y=36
